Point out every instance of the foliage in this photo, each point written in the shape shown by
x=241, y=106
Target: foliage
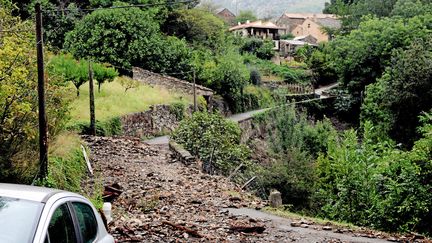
x=57, y=20
x=375, y=184
x=109, y=127
x=128, y=83
x=245, y=15
x=18, y=101
x=214, y=140
x=263, y=49
x=123, y=37
x=361, y=57
x=255, y=77
x=178, y=109
x=295, y=143
x=322, y=70
x=287, y=36
x=402, y=93
x=77, y=71
x=290, y=75
x=229, y=78
x=256, y=97
x=112, y=101
x=196, y=26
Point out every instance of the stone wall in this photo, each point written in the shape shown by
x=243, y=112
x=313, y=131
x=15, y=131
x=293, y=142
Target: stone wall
x=159, y=119
x=170, y=83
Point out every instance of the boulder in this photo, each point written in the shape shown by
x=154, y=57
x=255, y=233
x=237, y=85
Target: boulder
x=275, y=199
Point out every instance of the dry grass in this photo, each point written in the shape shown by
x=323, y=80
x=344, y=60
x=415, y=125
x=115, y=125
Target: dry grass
x=64, y=144
x=113, y=101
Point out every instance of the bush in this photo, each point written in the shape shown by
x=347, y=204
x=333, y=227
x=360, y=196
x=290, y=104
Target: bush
x=178, y=109
x=110, y=127
x=214, y=140
x=255, y=77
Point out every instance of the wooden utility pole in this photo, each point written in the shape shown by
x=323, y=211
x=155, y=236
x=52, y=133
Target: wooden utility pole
x=43, y=127
x=92, y=104
x=194, y=92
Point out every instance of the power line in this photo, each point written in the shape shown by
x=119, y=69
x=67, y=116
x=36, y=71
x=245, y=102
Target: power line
x=127, y=6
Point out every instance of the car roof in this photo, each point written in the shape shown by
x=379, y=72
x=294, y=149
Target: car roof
x=32, y=193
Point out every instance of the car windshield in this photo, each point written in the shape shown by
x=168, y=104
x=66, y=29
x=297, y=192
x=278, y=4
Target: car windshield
x=18, y=219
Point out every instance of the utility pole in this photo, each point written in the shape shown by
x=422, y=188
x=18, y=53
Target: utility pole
x=194, y=92
x=92, y=104
x=43, y=128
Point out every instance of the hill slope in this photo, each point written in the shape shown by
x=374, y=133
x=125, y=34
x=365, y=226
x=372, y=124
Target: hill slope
x=272, y=8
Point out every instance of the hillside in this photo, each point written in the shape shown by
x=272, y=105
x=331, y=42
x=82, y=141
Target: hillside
x=272, y=8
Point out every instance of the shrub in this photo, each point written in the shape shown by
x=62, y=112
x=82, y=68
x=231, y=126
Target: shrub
x=178, y=109
x=110, y=127
x=214, y=140
x=255, y=77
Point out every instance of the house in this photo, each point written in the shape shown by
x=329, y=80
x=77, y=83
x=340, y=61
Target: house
x=228, y=16
x=287, y=48
x=259, y=29
x=309, y=24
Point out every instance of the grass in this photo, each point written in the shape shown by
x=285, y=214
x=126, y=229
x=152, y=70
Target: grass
x=64, y=144
x=271, y=77
x=319, y=221
x=113, y=101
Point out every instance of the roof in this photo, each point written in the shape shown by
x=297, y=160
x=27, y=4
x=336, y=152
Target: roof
x=329, y=22
x=256, y=24
x=308, y=16
x=32, y=193
x=220, y=11
x=296, y=42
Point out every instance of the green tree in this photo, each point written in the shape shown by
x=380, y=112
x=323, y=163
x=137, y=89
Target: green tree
x=123, y=37
x=18, y=101
x=402, y=93
x=196, y=26
x=214, y=140
x=245, y=15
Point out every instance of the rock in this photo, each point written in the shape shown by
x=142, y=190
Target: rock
x=275, y=199
x=295, y=224
x=304, y=225
x=327, y=228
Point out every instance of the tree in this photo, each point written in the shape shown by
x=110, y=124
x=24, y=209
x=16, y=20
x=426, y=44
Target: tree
x=197, y=26
x=245, y=15
x=361, y=57
x=76, y=71
x=402, y=93
x=213, y=139
x=18, y=101
x=123, y=37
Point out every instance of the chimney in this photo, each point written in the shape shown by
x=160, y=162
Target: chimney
x=238, y=23
x=247, y=21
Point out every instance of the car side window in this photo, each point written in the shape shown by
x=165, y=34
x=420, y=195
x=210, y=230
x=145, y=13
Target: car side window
x=61, y=227
x=87, y=221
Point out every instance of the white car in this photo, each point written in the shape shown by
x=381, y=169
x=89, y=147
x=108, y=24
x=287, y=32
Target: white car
x=44, y=215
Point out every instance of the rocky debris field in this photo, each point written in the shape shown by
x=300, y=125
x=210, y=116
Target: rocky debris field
x=156, y=199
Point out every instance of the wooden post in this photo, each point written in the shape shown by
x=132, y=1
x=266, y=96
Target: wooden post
x=194, y=92
x=92, y=104
x=43, y=127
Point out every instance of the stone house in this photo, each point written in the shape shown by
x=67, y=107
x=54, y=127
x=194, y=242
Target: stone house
x=259, y=29
x=228, y=16
x=309, y=24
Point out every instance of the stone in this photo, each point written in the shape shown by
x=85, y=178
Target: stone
x=327, y=228
x=275, y=199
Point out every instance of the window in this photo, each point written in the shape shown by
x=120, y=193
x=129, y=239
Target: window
x=61, y=227
x=18, y=219
x=87, y=221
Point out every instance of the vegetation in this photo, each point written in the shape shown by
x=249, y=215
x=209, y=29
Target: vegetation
x=214, y=140
x=18, y=101
x=245, y=15
x=135, y=100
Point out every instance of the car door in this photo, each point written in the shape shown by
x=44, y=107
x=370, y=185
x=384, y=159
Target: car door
x=62, y=227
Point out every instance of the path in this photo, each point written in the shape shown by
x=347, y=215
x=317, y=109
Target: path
x=319, y=92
